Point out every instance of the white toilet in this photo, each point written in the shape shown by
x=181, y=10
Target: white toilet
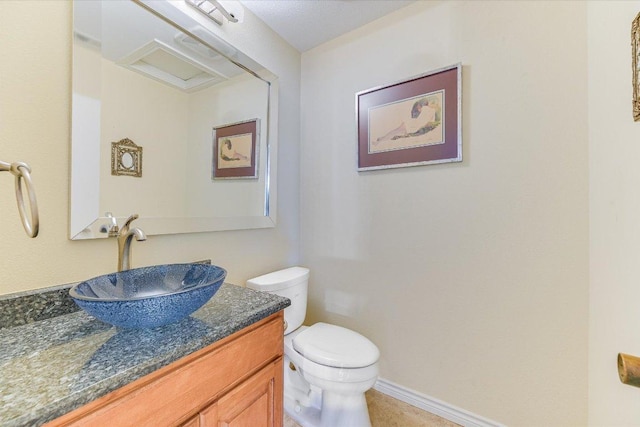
x=327, y=368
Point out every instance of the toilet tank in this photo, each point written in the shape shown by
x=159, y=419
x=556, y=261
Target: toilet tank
x=291, y=283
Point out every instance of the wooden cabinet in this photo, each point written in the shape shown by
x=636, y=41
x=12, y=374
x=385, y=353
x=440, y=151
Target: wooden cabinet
x=251, y=404
x=235, y=382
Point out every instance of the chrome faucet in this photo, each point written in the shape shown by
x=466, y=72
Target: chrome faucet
x=124, y=236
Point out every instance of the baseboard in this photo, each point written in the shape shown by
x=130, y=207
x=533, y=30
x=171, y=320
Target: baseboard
x=435, y=406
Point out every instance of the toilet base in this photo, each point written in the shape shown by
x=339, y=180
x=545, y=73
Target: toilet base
x=335, y=410
x=305, y=416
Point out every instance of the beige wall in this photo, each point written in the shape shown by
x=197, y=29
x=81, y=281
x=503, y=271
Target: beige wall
x=614, y=199
x=472, y=278
x=35, y=94
x=155, y=116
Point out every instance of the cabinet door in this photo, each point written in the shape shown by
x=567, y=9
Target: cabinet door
x=193, y=422
x=257, y=402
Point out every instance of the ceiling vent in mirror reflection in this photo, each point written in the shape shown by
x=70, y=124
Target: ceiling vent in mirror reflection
x=166, y=65
x=205, y=51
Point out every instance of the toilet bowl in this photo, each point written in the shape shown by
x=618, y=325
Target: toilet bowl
x=326, y=381
x=328, y=368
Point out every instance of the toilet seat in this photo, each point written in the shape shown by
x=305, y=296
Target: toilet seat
x=320, y=374
x=336, y=347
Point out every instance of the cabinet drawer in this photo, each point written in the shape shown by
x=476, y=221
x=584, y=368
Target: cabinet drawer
x=172, y=394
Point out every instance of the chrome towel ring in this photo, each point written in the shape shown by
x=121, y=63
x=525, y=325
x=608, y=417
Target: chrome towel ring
x=22, y=172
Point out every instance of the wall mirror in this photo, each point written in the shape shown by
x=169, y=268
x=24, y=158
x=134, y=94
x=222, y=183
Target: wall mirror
x=153, y=73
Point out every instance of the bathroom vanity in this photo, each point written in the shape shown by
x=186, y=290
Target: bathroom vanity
x=220, y=366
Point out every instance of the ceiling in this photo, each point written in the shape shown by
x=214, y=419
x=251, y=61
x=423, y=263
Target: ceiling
x=305, y=24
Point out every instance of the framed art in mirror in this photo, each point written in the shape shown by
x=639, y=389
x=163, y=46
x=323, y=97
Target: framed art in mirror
x=126, y=158
x=235, y=150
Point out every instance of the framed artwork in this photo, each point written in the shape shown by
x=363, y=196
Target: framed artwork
x=414, y=122
x=635, y=64
x=126, y=158
x=235, y=150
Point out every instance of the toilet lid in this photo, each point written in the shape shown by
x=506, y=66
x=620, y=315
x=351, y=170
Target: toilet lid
x=334, y=346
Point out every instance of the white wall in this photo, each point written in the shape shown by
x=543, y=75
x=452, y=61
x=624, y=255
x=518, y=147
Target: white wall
x=35, y=96
x=614, y=204
x=472, y=278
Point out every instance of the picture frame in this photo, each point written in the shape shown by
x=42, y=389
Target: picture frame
x=417, y=121
x=126, y=158
x=235, y=150
x=635, y=64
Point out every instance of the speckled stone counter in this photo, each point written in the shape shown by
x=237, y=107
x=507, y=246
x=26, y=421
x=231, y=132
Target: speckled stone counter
x=52, y=366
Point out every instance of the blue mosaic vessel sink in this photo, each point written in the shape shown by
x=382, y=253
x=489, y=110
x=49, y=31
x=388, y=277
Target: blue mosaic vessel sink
x=149, y=296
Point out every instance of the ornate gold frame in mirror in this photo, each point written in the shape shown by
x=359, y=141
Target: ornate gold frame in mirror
x=635, y=45
x=126, y=158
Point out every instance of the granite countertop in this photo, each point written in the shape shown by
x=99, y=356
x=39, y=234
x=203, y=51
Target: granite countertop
x=50, y=367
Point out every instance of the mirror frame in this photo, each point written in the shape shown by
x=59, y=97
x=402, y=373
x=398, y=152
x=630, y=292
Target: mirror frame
x=182, y=19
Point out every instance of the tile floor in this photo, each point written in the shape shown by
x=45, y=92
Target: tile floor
x=385, y=411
